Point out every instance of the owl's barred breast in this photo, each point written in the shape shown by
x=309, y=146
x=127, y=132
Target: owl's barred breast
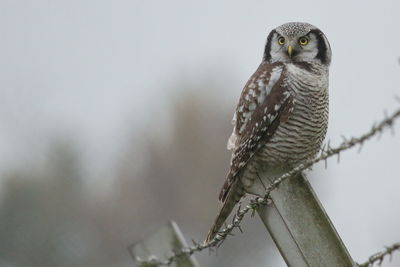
x=300, y=136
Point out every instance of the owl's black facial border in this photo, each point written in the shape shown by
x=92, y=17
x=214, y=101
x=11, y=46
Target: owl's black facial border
x=322, y=46
x=267, y=51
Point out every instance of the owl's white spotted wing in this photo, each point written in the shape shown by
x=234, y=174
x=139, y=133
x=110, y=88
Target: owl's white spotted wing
x=264, y=103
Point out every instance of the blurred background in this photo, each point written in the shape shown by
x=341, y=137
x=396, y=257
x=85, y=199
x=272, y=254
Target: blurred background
x=114, y=117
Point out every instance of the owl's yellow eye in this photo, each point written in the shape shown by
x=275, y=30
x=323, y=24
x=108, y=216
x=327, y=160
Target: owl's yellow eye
x=281, y=40
x=303, y=41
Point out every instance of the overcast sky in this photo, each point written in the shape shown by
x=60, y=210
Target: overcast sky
x=92, y=69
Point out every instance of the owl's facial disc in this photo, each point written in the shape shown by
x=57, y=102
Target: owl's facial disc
x=297, y=42
x=294, y=48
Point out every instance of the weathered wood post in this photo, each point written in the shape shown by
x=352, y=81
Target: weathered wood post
x=160, y=245
x=300, y=227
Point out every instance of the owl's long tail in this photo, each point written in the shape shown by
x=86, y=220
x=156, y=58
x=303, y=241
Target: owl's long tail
x=230, y=200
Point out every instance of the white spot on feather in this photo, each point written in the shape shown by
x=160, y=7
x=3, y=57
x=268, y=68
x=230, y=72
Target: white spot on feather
x=275, y=75
x=252, y=85
x=261, y=97
x=232, y=141
x=247, y=114
x=252, y=106
x=234, y=119
x=263, y=74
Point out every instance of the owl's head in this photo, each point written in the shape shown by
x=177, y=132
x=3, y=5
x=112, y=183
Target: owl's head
x=297, y=42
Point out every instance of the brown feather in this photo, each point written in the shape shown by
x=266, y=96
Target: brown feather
x=265, y=119
x=256, y=126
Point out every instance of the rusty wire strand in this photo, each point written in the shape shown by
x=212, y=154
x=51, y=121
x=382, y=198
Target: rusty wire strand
x=379, y=256
x=326, y=152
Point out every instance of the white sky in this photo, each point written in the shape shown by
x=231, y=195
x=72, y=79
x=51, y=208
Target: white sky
x=91, y=69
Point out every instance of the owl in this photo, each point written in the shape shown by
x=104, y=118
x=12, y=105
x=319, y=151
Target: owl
x=282, y=115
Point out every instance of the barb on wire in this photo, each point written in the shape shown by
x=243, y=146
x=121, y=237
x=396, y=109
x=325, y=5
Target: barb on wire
x=379, y=256
x=255, y=202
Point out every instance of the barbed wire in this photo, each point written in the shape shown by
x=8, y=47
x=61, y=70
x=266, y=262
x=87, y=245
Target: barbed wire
x=326, y=152
x=379, y=256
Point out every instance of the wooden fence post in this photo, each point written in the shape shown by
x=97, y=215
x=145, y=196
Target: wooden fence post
x=300, y=227
x=160, y=245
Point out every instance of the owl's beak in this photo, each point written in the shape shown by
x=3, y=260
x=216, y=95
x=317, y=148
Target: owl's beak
x=290, y=50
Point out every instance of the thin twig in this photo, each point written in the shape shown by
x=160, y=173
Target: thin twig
x=379, y=256
x=255, y=202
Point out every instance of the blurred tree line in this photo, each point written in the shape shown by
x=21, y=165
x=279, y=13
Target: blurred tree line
x=49, y=218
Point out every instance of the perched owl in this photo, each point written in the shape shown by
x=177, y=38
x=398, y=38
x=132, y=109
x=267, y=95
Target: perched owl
x=282, y=115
